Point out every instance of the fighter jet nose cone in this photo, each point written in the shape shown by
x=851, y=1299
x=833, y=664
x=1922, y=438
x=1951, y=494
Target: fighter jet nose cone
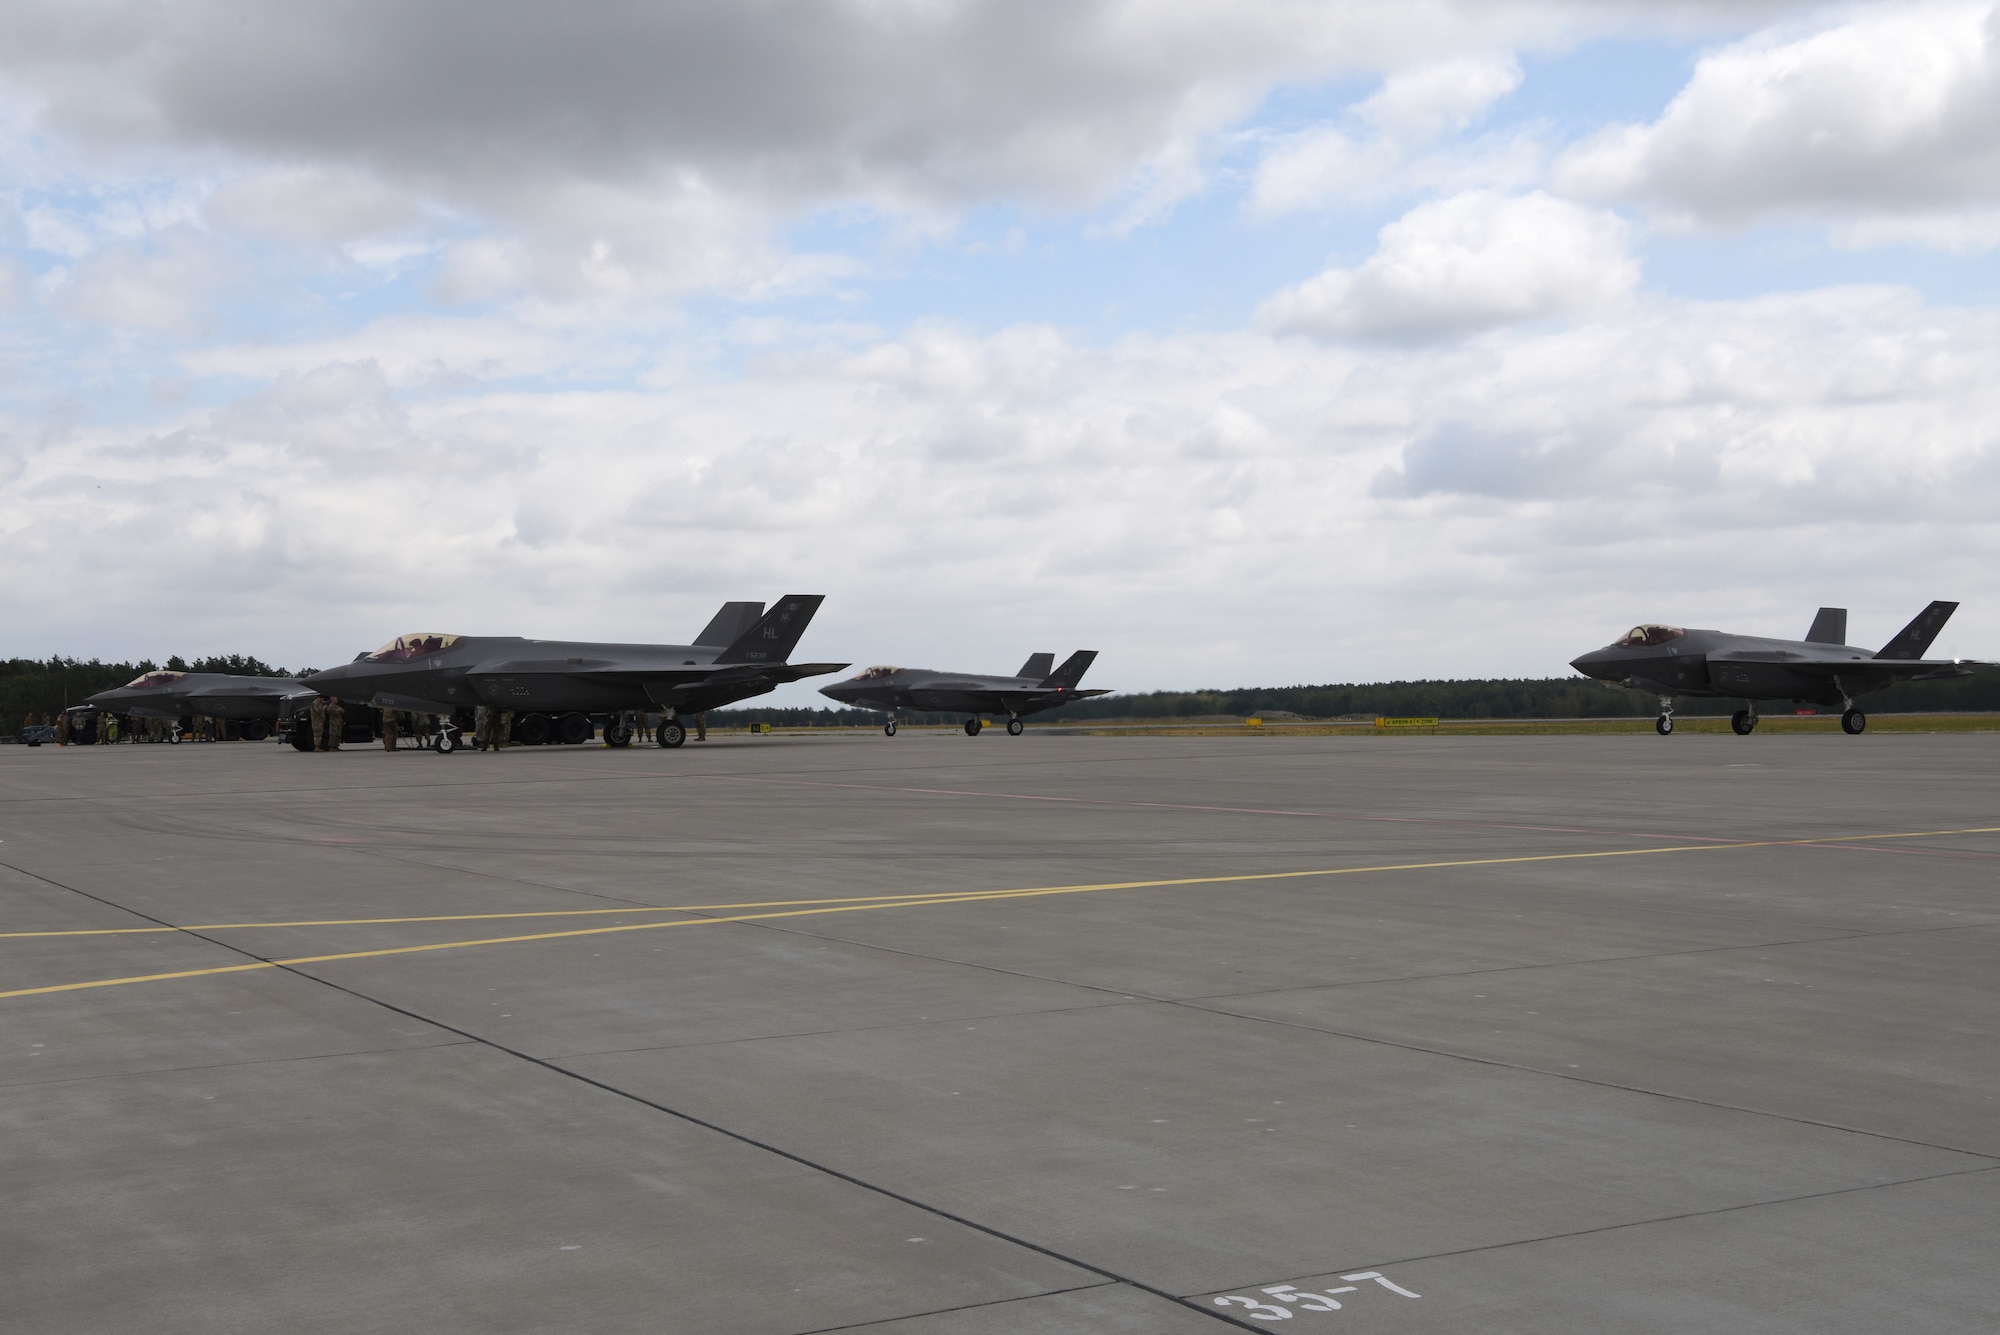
x=1595, y=666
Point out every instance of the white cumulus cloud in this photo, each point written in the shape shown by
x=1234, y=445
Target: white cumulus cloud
x=1474, y=261
x=1881, y=119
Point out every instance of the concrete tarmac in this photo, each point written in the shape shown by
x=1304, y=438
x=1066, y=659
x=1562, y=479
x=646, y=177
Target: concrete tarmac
x=937, y=1035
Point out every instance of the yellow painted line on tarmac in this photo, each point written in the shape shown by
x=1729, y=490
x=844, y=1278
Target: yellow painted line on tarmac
x=821, y=907
x=954, y=896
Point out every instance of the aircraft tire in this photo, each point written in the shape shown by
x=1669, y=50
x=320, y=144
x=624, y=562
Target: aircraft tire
x=617, y=734
x=972, y=727
x=446, y=742
x=1853, y=722
x=1014, y=727
x=1743, y=723
x=1664, y=724
x=670, y=733
x=889, y=728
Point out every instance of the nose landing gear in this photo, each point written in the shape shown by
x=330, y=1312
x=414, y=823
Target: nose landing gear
x=1664, y=724
x=1014, y=727
x=889, y=728
x=1853, y=721
x=1743, y=722
x=972, y=726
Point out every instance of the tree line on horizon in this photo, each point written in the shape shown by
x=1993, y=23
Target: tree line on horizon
x=1476, y=698
x=45, y=686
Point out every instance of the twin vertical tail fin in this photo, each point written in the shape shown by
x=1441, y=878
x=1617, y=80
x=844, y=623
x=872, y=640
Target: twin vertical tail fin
x=1829, y=627
x=1914, y=639
x=729, y=624
x=1038, y=666
x=773, y=636
x=1071, y=672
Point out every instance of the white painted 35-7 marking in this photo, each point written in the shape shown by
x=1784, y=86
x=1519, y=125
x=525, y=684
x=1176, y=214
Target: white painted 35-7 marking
x=1276, y=1305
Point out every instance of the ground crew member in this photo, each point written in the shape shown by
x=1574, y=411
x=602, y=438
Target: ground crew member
x=62, y=729
x=107, y=730
x=319, y=722
x=389, y=721
x=504, y=733
x=336, y=723
x=482, y=728
x=701, y=726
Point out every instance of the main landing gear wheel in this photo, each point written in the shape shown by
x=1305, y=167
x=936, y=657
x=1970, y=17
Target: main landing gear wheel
x=1743, y=723
x=671, y=733
x=1664, y=724
x=1852, y=722
x=972, y=727
x=889, y=728
x=1014, y=726
x=617, y=734
x=446, y=741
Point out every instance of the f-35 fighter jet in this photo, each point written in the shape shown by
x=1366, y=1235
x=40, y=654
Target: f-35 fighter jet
x=1820, y=669
x=256, y=702
x=554, y=686
x=1031, y=690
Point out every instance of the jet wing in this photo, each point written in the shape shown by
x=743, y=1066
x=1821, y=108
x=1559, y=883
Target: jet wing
x=752, y=678
x=165, y=709
x=1854, y=670
x=409, y=704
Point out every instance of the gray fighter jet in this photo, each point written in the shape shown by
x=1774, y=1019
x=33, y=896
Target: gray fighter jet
x=555, y=686
x=255, y=702
x=1031, y=690
x=1821, y=669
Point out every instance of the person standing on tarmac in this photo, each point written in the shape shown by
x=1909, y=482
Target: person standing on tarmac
x=701, y=726
x=62, y=729
x=503, y=733
x=389, y=722
x=336, y=723
x=482, y=728
x=319, y=722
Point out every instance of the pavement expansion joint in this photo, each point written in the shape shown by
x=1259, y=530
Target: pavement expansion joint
x=962, y=1307
x=1738, y=1208
x=706, y=1124
x=1587, y=1080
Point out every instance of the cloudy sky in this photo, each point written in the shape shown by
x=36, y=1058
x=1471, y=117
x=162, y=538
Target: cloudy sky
x=1249, y=342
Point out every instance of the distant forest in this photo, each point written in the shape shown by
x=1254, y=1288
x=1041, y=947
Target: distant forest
x=46, y=686
x=1495, y=698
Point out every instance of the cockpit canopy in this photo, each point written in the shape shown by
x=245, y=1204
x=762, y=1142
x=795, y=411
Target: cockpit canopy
x=1645, y=637
x=154, y=679
x=405, y=647
x=878, y=673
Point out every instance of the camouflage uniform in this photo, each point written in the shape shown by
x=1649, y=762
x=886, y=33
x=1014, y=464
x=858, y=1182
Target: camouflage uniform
x=62, y=730
x=482, y=727
x=701, y=726
x=389, y=722
x=504, y=732
x=336, y=723
x=319, y=722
